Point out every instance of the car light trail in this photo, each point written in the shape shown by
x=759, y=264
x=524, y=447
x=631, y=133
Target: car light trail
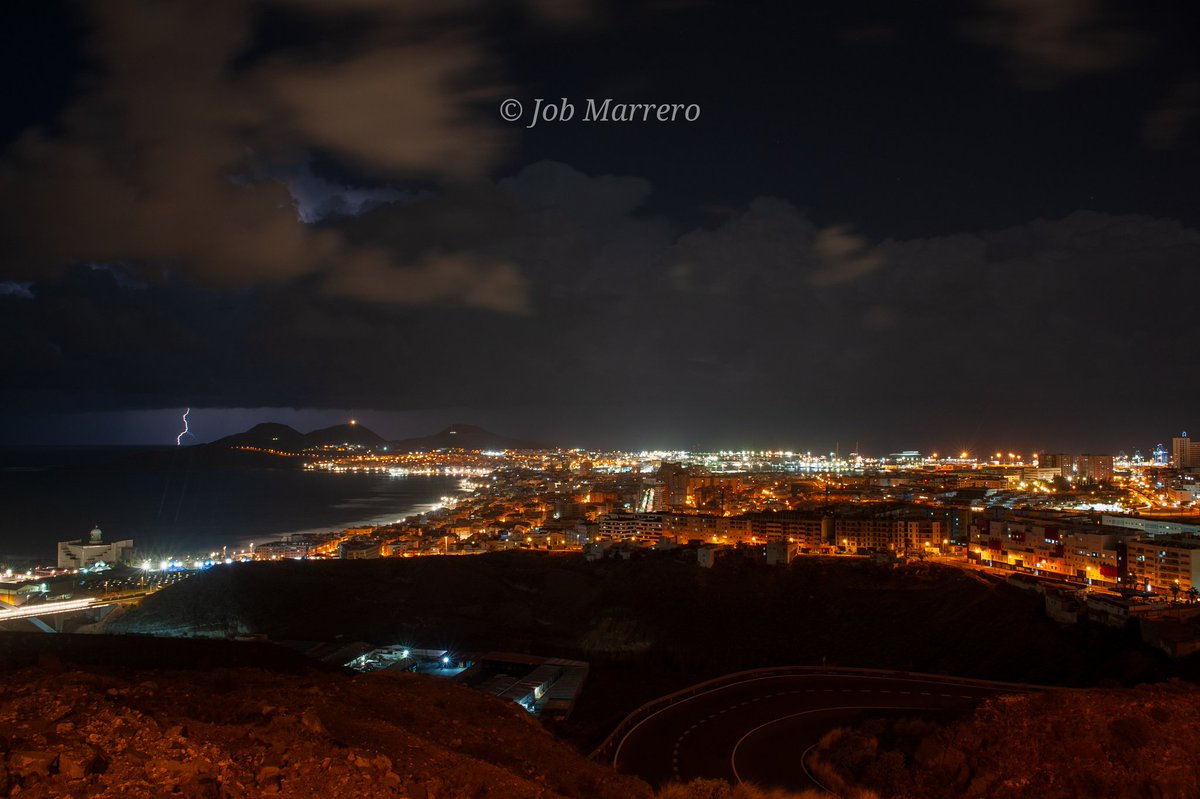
x=46, y=609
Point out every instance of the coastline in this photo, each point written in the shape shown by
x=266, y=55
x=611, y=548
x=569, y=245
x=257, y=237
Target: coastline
x=377, y=521
x=185, y=515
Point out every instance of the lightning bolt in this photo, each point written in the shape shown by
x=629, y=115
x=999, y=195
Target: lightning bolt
x=179, y=438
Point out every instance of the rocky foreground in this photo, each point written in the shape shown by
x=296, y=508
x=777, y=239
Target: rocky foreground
x=1136, y=743
x=243, y=732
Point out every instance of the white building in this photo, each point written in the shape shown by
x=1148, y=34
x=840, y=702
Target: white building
x=81, y=555
x=631, y=526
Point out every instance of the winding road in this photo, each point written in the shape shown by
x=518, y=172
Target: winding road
x=759, y=728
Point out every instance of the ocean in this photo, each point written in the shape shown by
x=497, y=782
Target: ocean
x=172, y=507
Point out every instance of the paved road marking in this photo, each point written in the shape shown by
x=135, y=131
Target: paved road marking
x=733, y=754
x=709, y=717
x=809, y=774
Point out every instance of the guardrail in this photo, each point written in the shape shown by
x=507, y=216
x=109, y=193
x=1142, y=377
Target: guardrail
x=607, y=748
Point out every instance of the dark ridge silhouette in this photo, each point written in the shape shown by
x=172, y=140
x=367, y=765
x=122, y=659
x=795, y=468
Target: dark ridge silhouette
x=344, y=434
x=268, y=435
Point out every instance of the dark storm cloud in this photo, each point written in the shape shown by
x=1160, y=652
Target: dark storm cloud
x=766, y=308
x=10, y=288
x=168, y=160
x=234, y=215
x=1178, y=110
x=1048, y=42
x=318, y=198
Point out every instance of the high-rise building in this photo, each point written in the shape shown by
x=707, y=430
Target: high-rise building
x=1181, y=451
x=1093, y=468
x=675, y=477
x=1086, y=468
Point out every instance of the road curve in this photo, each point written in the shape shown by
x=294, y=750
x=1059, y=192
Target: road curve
x=758, y=729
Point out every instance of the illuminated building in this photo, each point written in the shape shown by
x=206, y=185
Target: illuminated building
x=80, y=555
x=804, y=529
x=1150, y=527
x=631, y=526
x=890, y=534
x=1073, y=548
x=1157, y=565
x=1093, y=468
x=674, y=476
x=1087, y=468
x=705, y=527
x=290, y=547
x=1185, y=453
x=359, y=549
x=1161, y=457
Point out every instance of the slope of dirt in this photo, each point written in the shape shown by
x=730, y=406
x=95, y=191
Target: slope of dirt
x=1138, y=743
x=69, y=729
x=654, y=624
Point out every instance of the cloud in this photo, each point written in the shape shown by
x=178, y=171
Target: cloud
x=403, y=109
x=550, y=185
x=553, y=287
x=774, y=246
x=555, y=12
x=21, y=291
x=446, y=278
x=844, y=256
x=1164, y=127
x=869, y=36
x=317, y=198
x=1049, y=42
x=169, y=162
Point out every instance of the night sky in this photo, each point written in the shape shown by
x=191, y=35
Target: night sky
x=928, y=225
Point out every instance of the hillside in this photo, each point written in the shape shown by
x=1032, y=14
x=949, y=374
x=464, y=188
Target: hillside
x=259, y=447
x=73, y=726
x=1058, y=745
x=354, y=434
x=658, y=623
x=268, y=435
x=281, y=437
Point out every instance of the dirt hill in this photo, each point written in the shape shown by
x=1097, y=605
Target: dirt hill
x=655, y=624
x=1118, y=744
x=78, y=728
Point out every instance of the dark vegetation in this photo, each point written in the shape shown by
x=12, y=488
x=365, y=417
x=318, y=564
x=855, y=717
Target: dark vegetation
x=655, y=624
